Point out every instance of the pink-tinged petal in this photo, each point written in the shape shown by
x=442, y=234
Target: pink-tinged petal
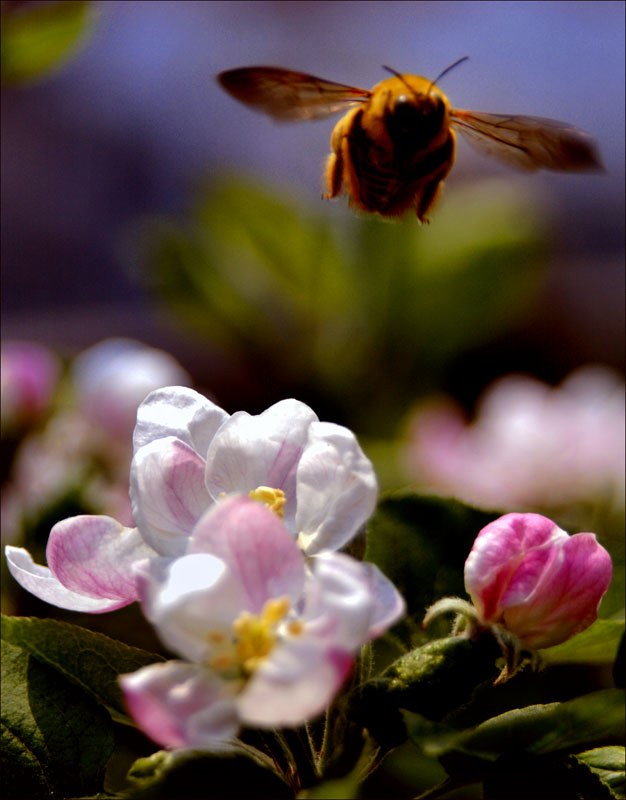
x=339, y=602
x=180, y=412
x=389, y=605
x=257, y=547
x=41, y=582
x=264, y=450
x=566, y=598
x=181, y=705
x=187, y=599
x=167, y=493
x=498, y=553
x=336, y=488
x=296, y=683
x=94, y=555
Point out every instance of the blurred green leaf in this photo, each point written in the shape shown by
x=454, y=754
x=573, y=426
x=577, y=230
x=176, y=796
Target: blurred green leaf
x=38, y=37
x=421, y=542
x=89, y=660
x=365, y=315
x=597, y=645
x=597, y=717
x=56, y=740
x=607, y=764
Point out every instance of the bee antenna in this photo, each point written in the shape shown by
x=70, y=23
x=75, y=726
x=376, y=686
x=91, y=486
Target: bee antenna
x=398, y=75
x=445, y=72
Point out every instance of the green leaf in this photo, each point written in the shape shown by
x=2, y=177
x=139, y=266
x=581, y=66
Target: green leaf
x=607, y=765
x=597, y=645
x=56, y=740
x=421, y=542
x=39, y=37
x=179, y=774
x=90, y=660
x=538, y=729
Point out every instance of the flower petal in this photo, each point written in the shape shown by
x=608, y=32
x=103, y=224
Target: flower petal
x=498, y=552
x=180, y=412
x=167, y=493
x=94, y=555
x=264, y=450
x=257, y=547
x=181, y=705
x=41, y=582
x=337, y=488
x=296, y=683
x=189, y=598
x=566, y=598
x=389, y=605
x=339, y=602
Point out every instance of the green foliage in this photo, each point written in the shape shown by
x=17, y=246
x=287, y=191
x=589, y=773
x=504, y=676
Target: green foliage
x=89, y=660
x=56, y=740
x=597, y=645
x=607, y=765
x=421, y=542
x=532, y=751
x=39, y=37
x=180, y=775
x=364, y=315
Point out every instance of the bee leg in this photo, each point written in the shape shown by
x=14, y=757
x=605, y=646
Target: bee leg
x=427, y=199
x=334, y=175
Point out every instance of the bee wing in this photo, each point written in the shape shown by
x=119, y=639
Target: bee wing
x=528, y=143
x=287, y=95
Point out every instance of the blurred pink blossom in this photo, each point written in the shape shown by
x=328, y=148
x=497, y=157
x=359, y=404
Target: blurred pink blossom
x=29, y=374
x=529, y=446
x=86, y=445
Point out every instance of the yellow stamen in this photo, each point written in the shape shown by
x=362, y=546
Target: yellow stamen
x=295, y=627
x=256, y=633
x=274, y=499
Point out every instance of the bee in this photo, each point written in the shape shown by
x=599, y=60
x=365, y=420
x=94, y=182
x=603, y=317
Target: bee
x=396, y=144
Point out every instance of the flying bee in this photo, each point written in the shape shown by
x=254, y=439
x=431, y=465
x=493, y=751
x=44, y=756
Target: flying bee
x=396, y=144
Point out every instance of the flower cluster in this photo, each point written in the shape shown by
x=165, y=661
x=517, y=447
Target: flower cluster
x=233, y=558
x=85, y=446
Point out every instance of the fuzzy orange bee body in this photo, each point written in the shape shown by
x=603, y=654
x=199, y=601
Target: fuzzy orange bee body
x=396, y=143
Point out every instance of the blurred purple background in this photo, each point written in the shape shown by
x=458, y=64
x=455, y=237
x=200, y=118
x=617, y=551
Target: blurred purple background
x=135, y=120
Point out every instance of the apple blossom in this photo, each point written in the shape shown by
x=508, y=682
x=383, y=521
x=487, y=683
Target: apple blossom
x=267, y=640
x=531, y=583
x=189, y=453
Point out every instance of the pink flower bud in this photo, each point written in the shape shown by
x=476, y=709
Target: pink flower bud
x=534, y=579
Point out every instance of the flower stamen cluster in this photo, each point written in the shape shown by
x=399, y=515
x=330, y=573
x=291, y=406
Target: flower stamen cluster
x=274, y=499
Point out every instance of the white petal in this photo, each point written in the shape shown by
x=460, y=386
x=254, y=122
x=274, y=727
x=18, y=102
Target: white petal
x=180, y=412
x=188, y=598
x=181, y=705
x=264, y=450
x=296, y=683
x=167, y=493
x=337, y=489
